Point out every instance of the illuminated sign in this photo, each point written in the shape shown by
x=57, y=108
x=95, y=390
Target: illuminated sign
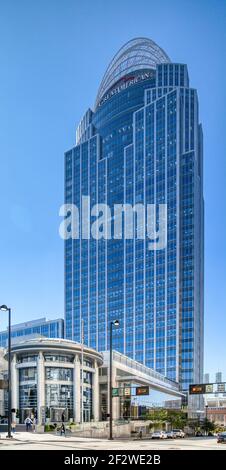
x=142, y=391
x=197, y=389
x=128, y=391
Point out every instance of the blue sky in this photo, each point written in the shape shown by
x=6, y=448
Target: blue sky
x=53, y=54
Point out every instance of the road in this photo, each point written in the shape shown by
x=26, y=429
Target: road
x=32, y=441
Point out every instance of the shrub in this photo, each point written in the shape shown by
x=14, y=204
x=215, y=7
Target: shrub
x=49, y=427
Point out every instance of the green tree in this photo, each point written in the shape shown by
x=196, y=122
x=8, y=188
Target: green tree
x=157, y=416
x=208, y=426
x=177, y=419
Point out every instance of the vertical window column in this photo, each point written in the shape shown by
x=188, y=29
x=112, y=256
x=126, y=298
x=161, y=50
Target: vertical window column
x=96, y=392
x=14, y=383
x=40, y=385
x=76, y=390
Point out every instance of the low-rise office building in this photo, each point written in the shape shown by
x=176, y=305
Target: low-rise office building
x=216, y=409
x=52, y=378
x=46, y=376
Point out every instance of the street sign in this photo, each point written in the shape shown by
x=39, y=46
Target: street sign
x=209, y=388
x=142, y=391
x=200, y=389
x=3, y=384
x=127, y=391
x=221, y=388
x=197, y=389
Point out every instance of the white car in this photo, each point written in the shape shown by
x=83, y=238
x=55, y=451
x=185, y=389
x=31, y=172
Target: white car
x=159, y=435
x=178, y=433
x=170, y=435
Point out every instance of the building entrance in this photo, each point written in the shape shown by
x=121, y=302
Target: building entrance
x=26, y=413
x=58, y=415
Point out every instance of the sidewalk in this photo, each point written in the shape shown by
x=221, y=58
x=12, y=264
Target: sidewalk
x=42, y=437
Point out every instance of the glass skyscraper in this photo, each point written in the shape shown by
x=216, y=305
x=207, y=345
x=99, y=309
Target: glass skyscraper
x=142, y=143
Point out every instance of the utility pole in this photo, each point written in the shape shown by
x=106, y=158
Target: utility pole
x=113, y=323
x=4, y=308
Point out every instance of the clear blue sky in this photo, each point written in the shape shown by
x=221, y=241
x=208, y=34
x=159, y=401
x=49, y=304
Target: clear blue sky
x=53, y=54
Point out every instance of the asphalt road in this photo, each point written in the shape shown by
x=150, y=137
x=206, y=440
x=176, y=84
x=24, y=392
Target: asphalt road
x=24, y=441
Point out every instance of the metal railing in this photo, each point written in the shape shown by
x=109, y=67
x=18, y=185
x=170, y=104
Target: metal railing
x=144, y=369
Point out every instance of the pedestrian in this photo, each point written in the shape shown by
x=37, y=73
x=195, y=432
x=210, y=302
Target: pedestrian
x=28, y=423
x=13, y=426
x=34, y=424
x=62, y=430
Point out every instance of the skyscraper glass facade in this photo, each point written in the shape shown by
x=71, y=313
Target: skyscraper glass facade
x=142, y=144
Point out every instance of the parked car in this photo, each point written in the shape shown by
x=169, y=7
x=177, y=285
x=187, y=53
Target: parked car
x=221, y=438
x=159, y=435
x=170, y=435
x=178, y=433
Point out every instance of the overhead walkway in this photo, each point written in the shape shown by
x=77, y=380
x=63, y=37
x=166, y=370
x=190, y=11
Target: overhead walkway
x=126, y=370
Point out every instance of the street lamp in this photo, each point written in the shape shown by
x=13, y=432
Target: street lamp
x=4, y=308
x=112, y=323
x=206, y=407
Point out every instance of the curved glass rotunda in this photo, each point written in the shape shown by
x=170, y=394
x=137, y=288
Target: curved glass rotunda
x=142, y=144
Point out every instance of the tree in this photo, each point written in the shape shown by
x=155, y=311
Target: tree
x=208, y=426
x=157, y=416
x=177, y=419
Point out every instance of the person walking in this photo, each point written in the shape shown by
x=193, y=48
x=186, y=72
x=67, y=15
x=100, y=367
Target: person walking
x=62, y=430
x=34, y=424
x=28, y=423
x=13, y=426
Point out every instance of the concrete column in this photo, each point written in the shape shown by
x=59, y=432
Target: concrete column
x=40, y=386
x=14, y=383
x=115, y=400
x=77, y=389
x=96, y=393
